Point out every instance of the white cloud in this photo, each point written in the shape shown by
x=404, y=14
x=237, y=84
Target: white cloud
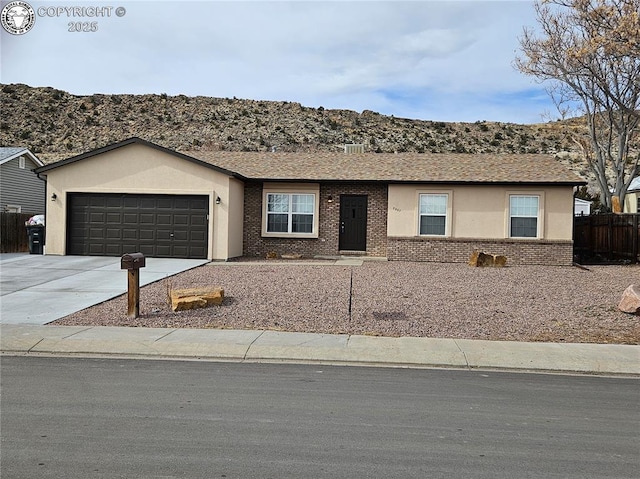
x=428, y=59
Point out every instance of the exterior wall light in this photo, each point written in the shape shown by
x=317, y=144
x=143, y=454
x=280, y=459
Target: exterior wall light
x=330, y=199
x=54, y=197
x=218, y=200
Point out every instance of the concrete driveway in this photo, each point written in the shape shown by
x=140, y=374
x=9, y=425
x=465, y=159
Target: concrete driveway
x=38, y=289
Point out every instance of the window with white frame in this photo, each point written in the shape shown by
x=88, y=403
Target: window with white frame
x=523, y=216
x=433, y=214
x=21, y=163
x=13, y=209
x=290, y=213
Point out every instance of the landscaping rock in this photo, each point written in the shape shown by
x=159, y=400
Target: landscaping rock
x=291, y=256
x=193, y=298
x=480, y=259
x=499, y=261
x=187, y=303
x=630, y=302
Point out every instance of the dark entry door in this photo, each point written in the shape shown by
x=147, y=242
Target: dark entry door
x=353, y=223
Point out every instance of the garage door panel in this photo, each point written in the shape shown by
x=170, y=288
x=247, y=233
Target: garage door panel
x=113, y=250
x=167, y=203
x=198, y=203
x=181, y=251
x=130, y=234
x=197, y=220
x=130, y=202
x=78, y=216
x=147, y=203
x=181, y=219
x=129, y=248
x=98, y=201
x=114, y=218
x=184, y=204
x=147, y=219
x=113, y=233
x=147, y=250
x=180, y=235
x=130, y=219
x=155, y=225
x=97, y=217
x=96, y=233
x=164, y=219
x=97, y=249
x=82, y=200
x=114, y=202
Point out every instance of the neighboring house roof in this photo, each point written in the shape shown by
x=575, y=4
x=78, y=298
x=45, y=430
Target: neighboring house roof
x=635, y=184
x=382, y=167
x=8, y=153
x=405, y=167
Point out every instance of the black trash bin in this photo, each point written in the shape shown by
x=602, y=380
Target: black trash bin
x=36, y=238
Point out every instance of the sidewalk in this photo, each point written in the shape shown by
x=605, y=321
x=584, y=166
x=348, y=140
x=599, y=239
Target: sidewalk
x=273, y=346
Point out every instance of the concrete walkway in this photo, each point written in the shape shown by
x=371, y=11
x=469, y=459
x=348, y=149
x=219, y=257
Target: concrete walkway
x=272, y=346
x=38, y=289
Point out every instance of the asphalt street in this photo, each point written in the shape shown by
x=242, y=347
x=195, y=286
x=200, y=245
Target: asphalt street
x=108, y=418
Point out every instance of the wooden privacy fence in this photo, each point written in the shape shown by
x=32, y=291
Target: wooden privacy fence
x=606, y=238
x=13, y=233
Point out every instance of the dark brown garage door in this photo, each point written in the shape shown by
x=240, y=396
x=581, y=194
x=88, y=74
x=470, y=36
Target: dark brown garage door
x=160, y=226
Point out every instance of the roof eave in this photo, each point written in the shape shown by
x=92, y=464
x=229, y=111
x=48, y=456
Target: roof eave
x=420, y=182
x=132, y=141
x=24, y=151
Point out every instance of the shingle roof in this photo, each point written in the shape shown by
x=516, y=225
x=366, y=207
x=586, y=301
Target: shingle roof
x=383, y=167
x=9, y=151
x=405, y=167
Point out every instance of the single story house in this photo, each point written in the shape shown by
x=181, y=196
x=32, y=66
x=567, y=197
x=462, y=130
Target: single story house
x=138, y=196
x=632, y=200
x=21, y=191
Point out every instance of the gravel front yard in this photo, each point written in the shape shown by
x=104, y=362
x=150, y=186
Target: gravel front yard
x=516, y=303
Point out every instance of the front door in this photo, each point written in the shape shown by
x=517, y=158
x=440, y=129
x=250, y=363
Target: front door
x=353, y=223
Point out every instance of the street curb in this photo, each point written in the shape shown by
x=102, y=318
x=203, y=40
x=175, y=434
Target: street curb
x=276, y=346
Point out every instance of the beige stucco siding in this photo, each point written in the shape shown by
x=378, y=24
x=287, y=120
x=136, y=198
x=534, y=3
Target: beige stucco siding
x=235, y=217
x=481, y=211
x=559, y=213
x=138, y=169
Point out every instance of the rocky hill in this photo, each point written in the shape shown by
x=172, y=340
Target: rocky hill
x=55, y=124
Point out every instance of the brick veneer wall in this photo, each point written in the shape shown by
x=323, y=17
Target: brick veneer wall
x=458, y=250
x=329, y=222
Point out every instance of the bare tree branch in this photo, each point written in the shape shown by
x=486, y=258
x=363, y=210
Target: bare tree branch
x=589, y=50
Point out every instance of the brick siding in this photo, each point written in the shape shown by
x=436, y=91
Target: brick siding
x=329, y=222
x=458, y=250
x=452, y=250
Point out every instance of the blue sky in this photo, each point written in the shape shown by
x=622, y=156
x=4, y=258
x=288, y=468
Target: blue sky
x=445, y=60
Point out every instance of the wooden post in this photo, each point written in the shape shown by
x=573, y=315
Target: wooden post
x=635, y=248
x=133, y=309
x=610, y=234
